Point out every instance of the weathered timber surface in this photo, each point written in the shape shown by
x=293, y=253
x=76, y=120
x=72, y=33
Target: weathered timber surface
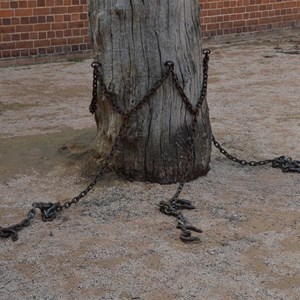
x=133, y=39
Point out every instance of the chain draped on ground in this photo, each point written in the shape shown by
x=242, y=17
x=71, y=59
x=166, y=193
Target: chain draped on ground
x=175, y=205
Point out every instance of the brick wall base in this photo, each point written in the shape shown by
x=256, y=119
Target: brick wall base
x=43, y=29
x=243, y=16
x=34, y=31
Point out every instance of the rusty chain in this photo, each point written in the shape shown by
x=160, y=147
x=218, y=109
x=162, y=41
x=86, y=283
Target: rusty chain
x=49, y=210
x=174, y=206
x=285, y=163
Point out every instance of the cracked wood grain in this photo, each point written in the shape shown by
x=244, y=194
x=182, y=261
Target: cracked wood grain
x=132, y=39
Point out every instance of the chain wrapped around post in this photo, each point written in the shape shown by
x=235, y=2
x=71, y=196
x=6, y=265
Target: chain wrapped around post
x=171, y=207
x=49, y=210
x=174, y=206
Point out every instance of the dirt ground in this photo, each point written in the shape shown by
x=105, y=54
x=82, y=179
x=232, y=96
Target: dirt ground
x=115, y=244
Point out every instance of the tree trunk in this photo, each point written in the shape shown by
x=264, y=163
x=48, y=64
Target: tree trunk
x=133, y=39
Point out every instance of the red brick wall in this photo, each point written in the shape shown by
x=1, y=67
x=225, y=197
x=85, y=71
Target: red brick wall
x=38, y=28
x=239, y=16
x=43, y=29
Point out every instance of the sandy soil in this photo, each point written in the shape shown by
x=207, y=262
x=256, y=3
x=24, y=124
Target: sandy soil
x=115, y=244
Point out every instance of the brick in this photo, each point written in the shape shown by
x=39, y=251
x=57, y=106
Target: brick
x=252, y=22
x=252, y=8
x=41, y=19
x=83, y=16
x=43, y=35
x=59, y=34
x=50, y=50
x=264, y=20
x=78, y=24
x=6, y=21
x=278, y=5
x=41, y=43
x=58, y=49
x=24, y=12
x=212, y=26
x=227, y=25
x=82, y=47
x=33, y=52
x=15, y=37
x=33, y=20
x=262, y=7
x=287, y=18
x=60, y=41
x=7, y=13
x=50, y=19
x=75, y=40
x=41, y=11
x=42, y=27
x=66, y=48
x=31, y=3
x=239, y=23
x=6, y=46
x=87, y=39
x=76, y=17
x=15, y=53
x=59, y=18
x=226, y=11
x=271, y=13
x=75, y=2
x=41, y=51
x=67, y=18
x=59, y=26
x=59, y=2
x=23, y=4
x=84, y=31
x=214, y=12
x=6, y=38
x=24, y=28
x=67, y=2
x=76, y=32
x=15, y=21
x=8, y=29
x=6, y=53
x=24, y=52
x=4, y=4
x=58, y=10
x=14, y=4
x=74, y=9
x=290, y=4
x=75, y=48
x=40, y=3
x=33, y=35
x=51, y=34
x=25, y=20
x=238, y=10
x=24, y=36
x=67, y=33
x=24, y=45
x=50, y=3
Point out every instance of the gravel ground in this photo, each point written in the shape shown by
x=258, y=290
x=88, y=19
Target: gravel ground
x=114, y=244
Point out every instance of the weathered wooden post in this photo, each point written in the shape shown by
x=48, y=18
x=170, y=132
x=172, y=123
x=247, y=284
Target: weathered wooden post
x=133, y=39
